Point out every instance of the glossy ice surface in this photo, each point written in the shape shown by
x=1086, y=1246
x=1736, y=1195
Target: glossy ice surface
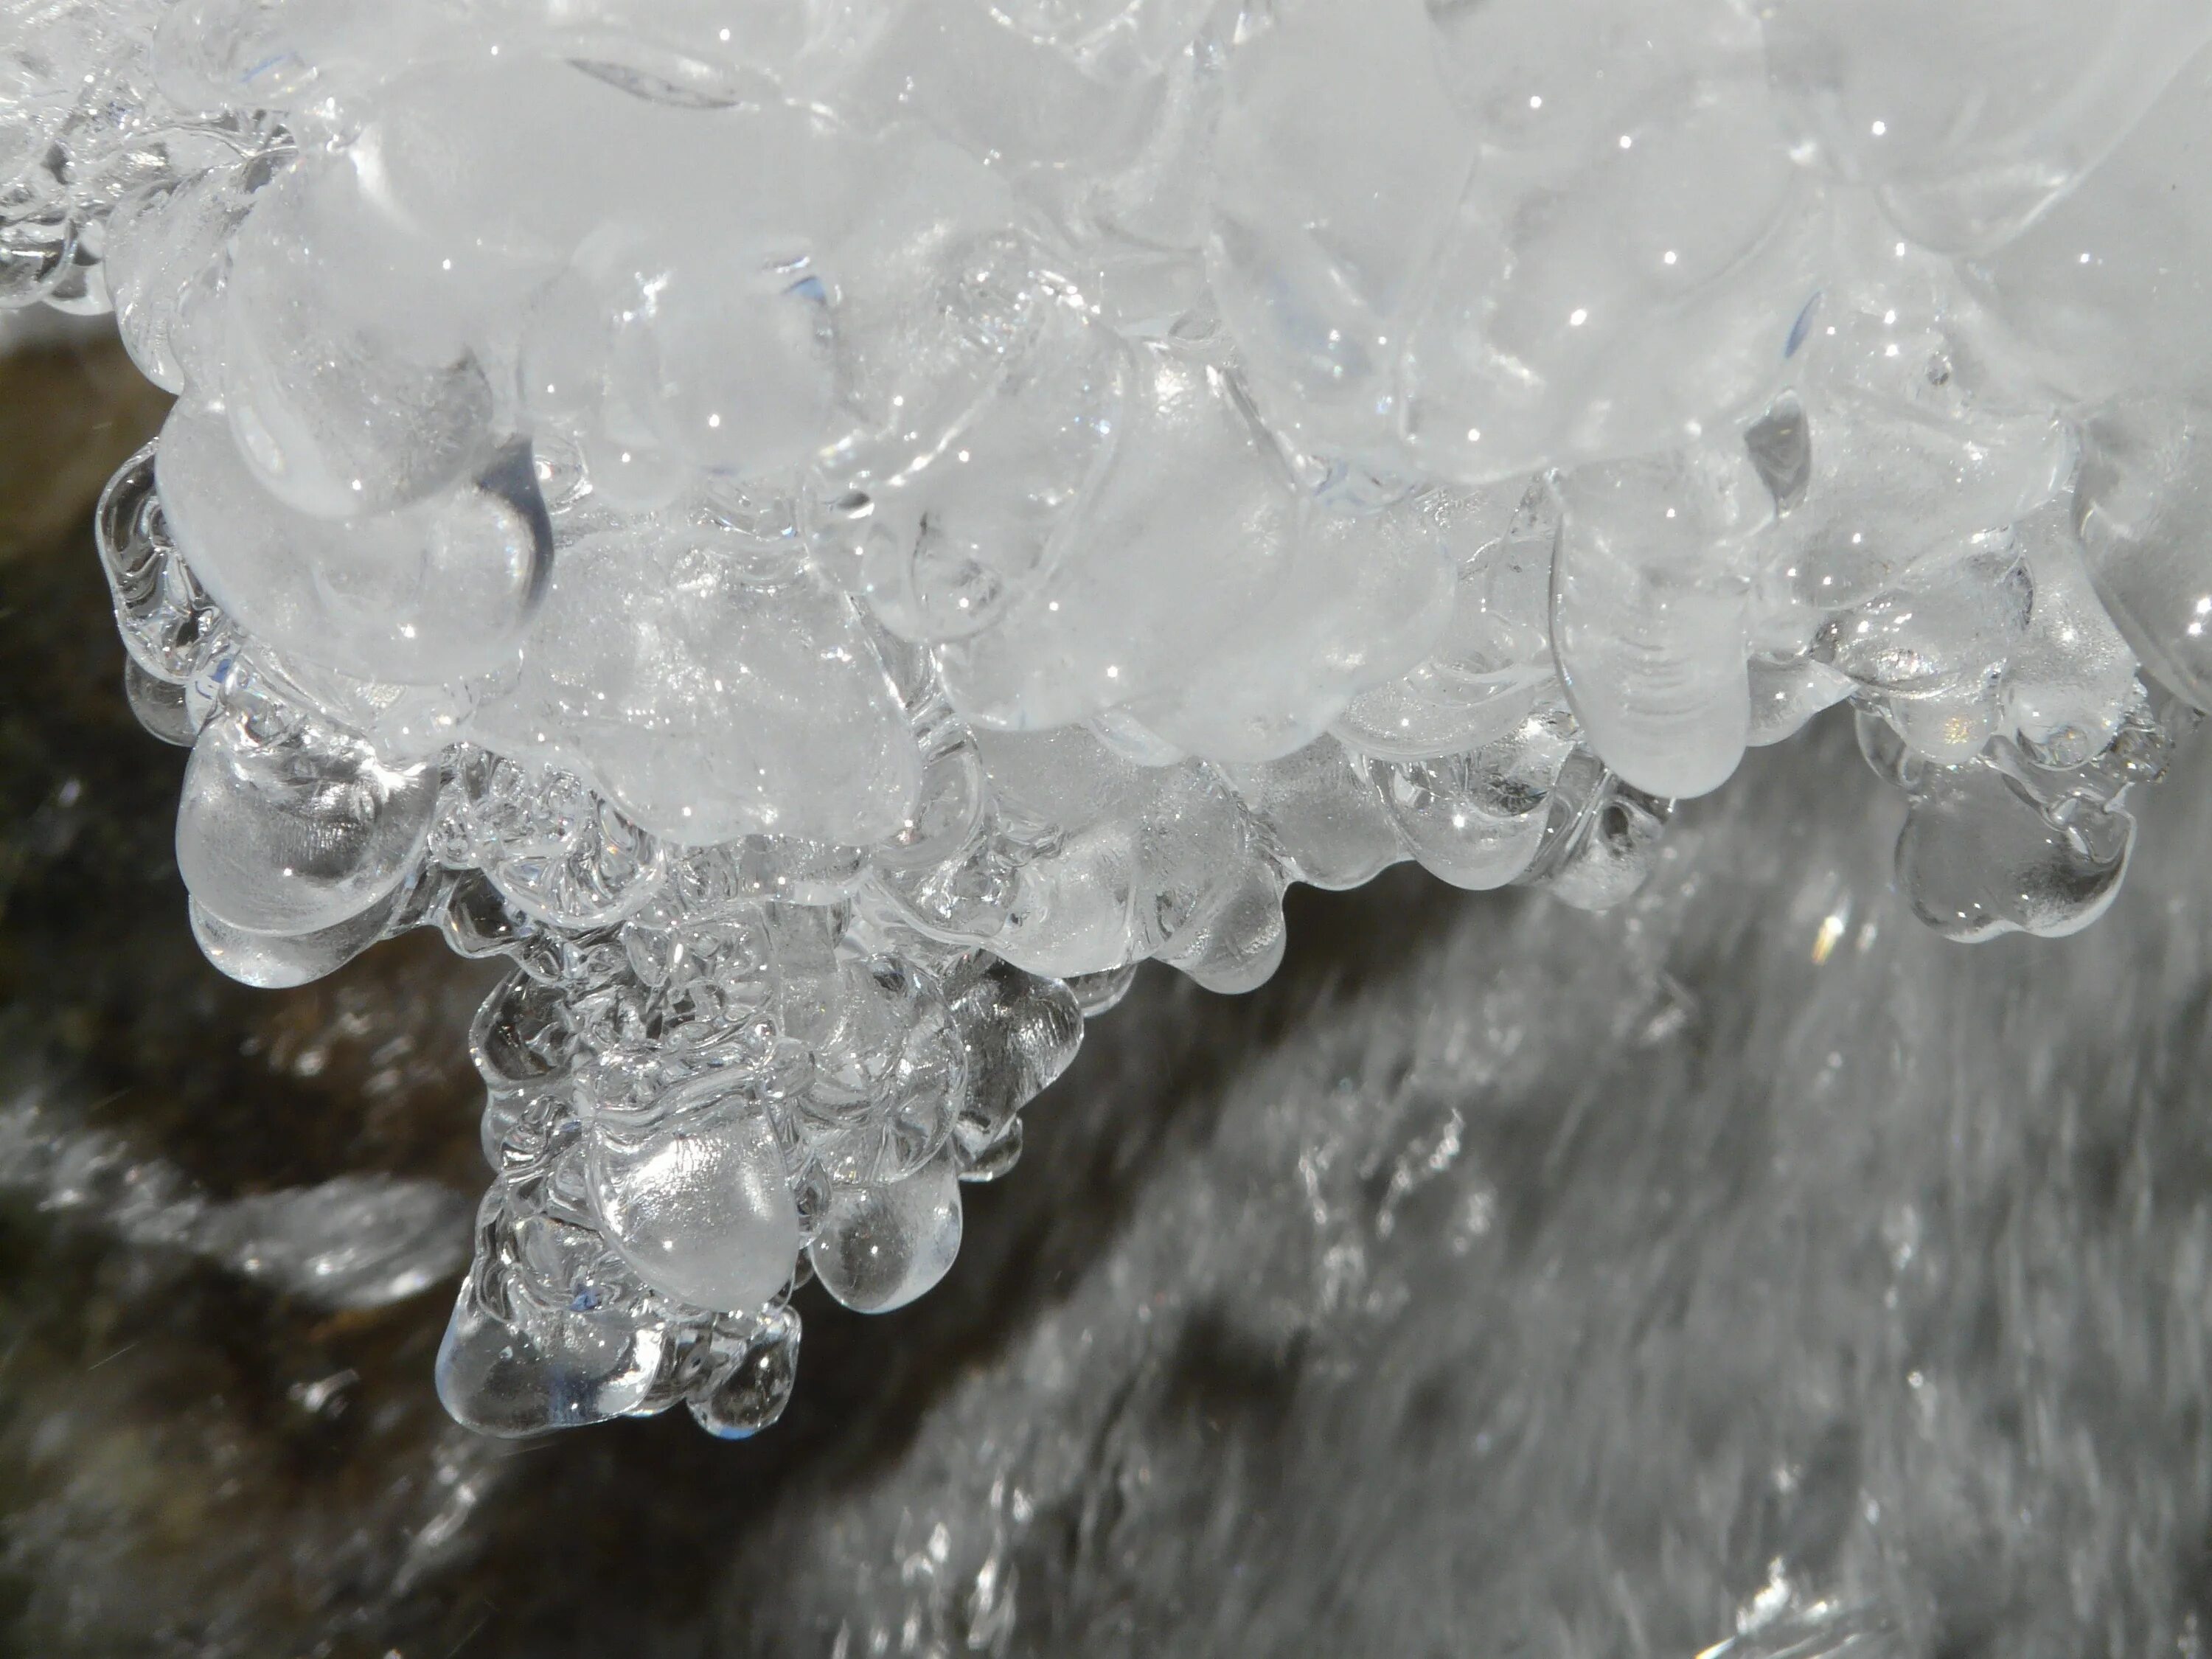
x=824, y=531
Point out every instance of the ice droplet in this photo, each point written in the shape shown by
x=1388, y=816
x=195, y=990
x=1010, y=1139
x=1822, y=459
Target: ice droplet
x=881, y=1246
x=290, y=826
x=694, y=1197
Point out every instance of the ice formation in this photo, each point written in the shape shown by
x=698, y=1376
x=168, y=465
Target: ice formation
x=826, y=530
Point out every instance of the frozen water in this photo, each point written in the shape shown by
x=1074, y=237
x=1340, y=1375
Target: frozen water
x=1969, y=120
x=290, y=826
x=696, y=1198
x=825, y=531
x=881, y=1246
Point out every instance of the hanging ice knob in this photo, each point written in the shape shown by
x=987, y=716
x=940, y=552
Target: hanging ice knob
x=694, y=1197
x=825, y=531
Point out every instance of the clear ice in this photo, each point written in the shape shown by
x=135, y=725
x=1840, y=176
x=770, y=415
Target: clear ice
x=824, y=532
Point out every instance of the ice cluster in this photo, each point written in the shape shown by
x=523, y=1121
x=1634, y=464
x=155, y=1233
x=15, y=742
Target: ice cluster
x=827, y=530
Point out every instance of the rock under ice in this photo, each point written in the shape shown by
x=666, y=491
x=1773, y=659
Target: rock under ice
x=827, y=530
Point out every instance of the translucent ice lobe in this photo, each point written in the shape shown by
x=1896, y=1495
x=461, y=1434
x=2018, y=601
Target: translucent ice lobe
x=290, y=826
x=161, y=240
x=2111, y=286
x=1480, y=820
x=887, y=1085
x=696, y=1198
x=506, y=163
x=1649, y=620
x=880, y=1247
x=1365, y=598
x=1063, y=779
x=951, y=869
x=527, y=1350
x=1193, y=528
x=512, y=1381
x=429, y=595
x=724, y=347
x=1315, y=269
x=2141, y=507
x=709, y=705
x=941, y=293
x=2071, y=681
x=1321, y=814
x=277, y=961
x=1970, y=119
x=551, y=846
x=1980, y=857
x=994, y=91
x=1903, y=464
x=1114, y=40
x=750, y=1394
x=1493, y=661
x=345, y=399
x=946, y=550
x=1019, y=1033
x=218, y=55
x=168, y=623
x=1632, y=246
x=1071, y=913
x=1143, y=861
x=1934, y=646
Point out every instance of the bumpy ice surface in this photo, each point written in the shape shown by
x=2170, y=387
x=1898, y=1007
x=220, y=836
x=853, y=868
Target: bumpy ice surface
x=827, y=530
